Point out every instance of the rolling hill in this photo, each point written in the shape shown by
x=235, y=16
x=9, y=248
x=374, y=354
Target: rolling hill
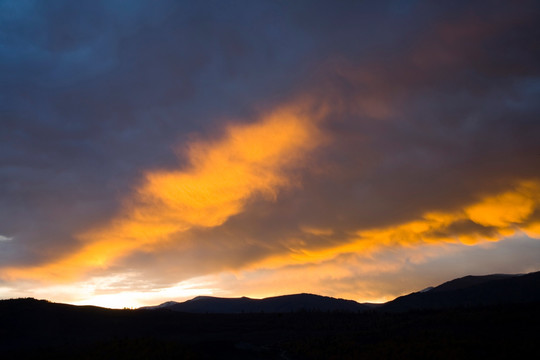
x=277, y=304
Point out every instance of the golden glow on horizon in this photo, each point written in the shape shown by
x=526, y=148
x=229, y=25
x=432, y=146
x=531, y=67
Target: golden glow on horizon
x=250, y=160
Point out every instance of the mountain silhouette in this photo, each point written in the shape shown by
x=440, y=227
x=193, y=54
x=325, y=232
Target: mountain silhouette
x=277, y=304
x=471, y=291
x=466, y=291
x=493, y=317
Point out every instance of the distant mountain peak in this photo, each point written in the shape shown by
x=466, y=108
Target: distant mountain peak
x=470, y=291
x=203, y=297
x=274, y=304
x=471, y=280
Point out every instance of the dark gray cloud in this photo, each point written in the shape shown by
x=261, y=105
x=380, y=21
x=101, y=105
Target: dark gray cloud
x=432, y=107
x=96, y=92
x=438, y=116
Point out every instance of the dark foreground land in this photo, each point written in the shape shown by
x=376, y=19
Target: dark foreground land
x=38, y=329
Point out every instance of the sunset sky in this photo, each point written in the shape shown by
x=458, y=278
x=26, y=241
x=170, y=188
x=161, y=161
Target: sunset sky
x=159, y=150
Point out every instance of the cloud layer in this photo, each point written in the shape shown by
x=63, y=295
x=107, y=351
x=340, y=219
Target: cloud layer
x=293, y=146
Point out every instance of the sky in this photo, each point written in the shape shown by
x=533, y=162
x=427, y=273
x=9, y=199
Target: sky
x=154, y=151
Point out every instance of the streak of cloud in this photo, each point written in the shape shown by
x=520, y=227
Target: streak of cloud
x=221, y=176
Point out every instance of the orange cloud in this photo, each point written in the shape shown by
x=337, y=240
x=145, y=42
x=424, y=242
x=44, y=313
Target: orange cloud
x=489, y=219
x=249, y=160
x=503, y=210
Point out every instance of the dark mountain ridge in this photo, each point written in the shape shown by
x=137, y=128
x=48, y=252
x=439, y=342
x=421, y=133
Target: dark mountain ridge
x=470, y=291
x=471, y=280
x=451, y=321
x=466, y=291
x=276, y=304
